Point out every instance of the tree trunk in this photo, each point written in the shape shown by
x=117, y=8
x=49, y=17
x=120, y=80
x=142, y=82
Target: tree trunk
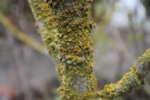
x=66, y=31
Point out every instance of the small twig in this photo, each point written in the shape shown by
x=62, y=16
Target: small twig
x=22, y=36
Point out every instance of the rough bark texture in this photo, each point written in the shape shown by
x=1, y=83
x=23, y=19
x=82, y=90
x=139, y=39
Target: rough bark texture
x=66, y=34
x=130, y=81
x=79, y=84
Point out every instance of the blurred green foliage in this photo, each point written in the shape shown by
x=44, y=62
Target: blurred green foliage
x=12, y=7
x=147, y=5
x=139, y=36
x=99, y=8
x=130, y=37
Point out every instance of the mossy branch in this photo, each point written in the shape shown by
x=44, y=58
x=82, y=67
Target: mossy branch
x=130, y=81
x=66, y=33
x=42, y=14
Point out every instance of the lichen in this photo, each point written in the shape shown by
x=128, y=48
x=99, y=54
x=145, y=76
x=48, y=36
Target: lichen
x=128, y=83
x=66, y=35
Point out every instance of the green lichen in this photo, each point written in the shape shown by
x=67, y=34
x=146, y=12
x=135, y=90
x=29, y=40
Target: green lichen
x=108, y=92
x=128, y=83
x=66, y=34
x=44, y=14
x=145, y=58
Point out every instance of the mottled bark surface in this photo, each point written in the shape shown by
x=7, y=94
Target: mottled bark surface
x=79, y=84
x=66, y=34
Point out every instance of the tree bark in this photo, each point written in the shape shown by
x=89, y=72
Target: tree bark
x=66, y=34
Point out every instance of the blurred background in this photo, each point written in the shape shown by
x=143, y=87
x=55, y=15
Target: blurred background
x=27, y=73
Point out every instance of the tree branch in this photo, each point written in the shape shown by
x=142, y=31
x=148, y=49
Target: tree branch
x=22, y=36
x=130, y=81
x=42, y=15
x=66, y=34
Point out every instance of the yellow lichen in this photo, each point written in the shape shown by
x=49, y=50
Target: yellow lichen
x=69, y=46
x=128, y=83
x=66, y=35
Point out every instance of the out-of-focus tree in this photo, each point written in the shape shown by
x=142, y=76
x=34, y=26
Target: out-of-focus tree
x=147, y=6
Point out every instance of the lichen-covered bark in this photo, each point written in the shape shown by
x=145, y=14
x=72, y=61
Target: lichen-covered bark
x=66, y=33
x=44, y=20
x=130, y=81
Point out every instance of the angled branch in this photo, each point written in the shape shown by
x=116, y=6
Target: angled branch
x=22, y=36
x=66, y=33
x=130, y=81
